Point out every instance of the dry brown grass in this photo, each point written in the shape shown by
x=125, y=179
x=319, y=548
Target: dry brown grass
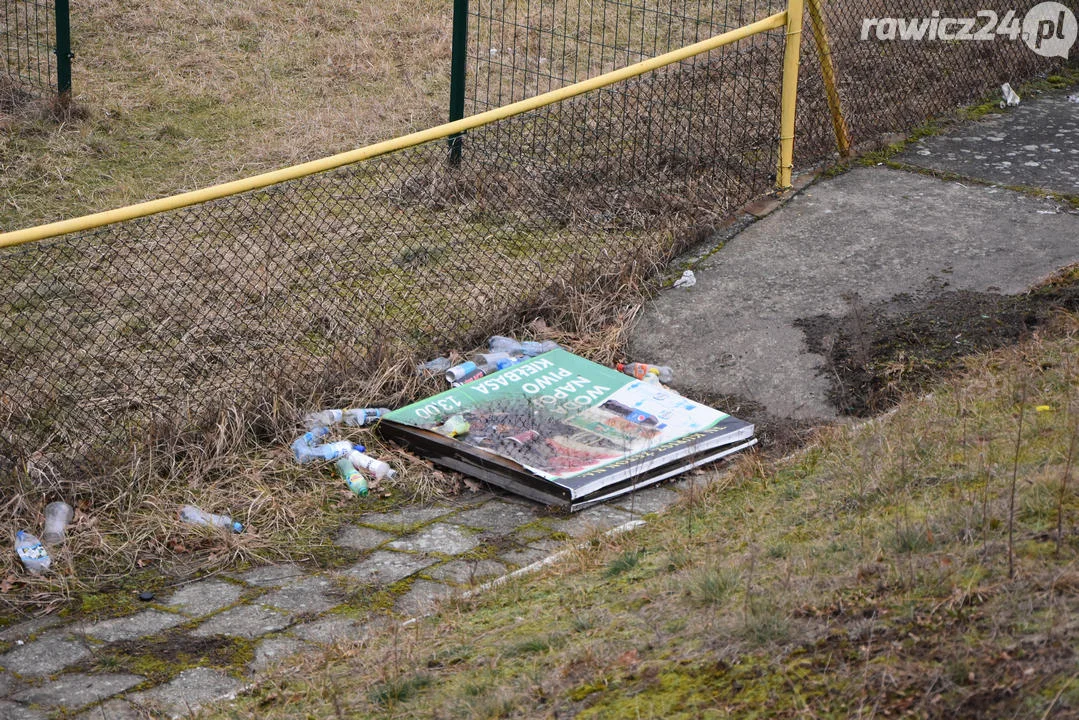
x=182, y=95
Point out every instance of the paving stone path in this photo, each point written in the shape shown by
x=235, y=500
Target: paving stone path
x=406, y=561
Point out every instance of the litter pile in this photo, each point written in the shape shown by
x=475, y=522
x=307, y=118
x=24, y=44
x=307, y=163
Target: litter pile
x=527, y=416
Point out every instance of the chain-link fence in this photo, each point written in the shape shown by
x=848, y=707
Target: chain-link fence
x=35, y=50
x=160, y=322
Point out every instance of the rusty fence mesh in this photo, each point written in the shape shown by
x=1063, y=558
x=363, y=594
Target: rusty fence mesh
x=163, y=321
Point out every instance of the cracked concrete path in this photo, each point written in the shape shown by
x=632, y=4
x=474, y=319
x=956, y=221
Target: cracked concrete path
x=871, y=233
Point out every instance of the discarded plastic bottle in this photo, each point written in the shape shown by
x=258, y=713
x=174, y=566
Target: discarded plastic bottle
x=355, y=480
x=438, y=365
x=490, y=362
x=1011, y=99
x=195, y=516
x=322, y=419
x=501, y=343
x=641, y=370
x=376, y=467
x=35, y=558
x=455, y=373
x=57, y=516
x=455, y=425
x=358, y=417
x=306, y=451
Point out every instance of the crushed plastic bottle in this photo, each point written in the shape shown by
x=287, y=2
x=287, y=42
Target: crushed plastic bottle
x=1011, y=99
x=687, y=280
x=641, y=371
x=196, y=516
x=530, y=348
x=379, y=468
x=57, y=516
x=438, y=365
x=353, y=478
x=35, y=558
x=455, y=425
x=471, y=377
x=322, y=419
x=306, y=453
x=356, y=417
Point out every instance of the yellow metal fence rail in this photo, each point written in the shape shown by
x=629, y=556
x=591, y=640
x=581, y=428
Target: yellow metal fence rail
x=791, y=19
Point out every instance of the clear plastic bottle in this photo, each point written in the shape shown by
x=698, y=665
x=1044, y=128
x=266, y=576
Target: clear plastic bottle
x=35, y=558
x=306, y=451
x=641, y=370
x=358, y=417
x=501, y=343
x=322, y=419
x=438, y=365
x=493, y=361
x=196, y=516
x=57, y=516
x=376, y=467
x=355, y=480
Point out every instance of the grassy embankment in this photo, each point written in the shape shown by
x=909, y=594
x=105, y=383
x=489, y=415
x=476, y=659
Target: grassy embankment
x=923, y=563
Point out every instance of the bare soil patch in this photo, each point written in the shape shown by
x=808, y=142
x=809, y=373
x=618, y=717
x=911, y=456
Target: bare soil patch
x=876, y=352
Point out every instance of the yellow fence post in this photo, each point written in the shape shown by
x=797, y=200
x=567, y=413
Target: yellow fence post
x=827, y=71
x=789, y=97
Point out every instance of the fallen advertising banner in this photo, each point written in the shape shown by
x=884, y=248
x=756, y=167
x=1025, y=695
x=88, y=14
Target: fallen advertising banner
x=565, y=431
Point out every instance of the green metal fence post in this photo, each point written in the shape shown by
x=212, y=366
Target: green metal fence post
x=63, y=52
x=457, y=75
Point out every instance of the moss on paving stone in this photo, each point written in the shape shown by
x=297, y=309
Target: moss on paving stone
x=162, y=657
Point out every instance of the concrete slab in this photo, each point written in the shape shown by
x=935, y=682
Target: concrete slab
x=597, y=518
x=272, y=575
x=1034, y=145
x=308, y=595
x=524, y=556
x=188, y=691
x=649, y=500
x=112, y=710
x=386, y=567
x=440, y=538
x=28, y=628
x=330, y=630
x=130, y=627
x=467, y=572
x=361, y=538
x=497, y=517
x=16, y=711
x=204, y=597
x=77, y=690
x=48, y=654
x=246, y=621
x=406, y=517
x=872, y=231
x=273, y=650
x=422, y=598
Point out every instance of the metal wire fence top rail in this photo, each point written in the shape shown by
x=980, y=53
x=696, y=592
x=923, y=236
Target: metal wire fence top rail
x=35, y=50
x=306, y=278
